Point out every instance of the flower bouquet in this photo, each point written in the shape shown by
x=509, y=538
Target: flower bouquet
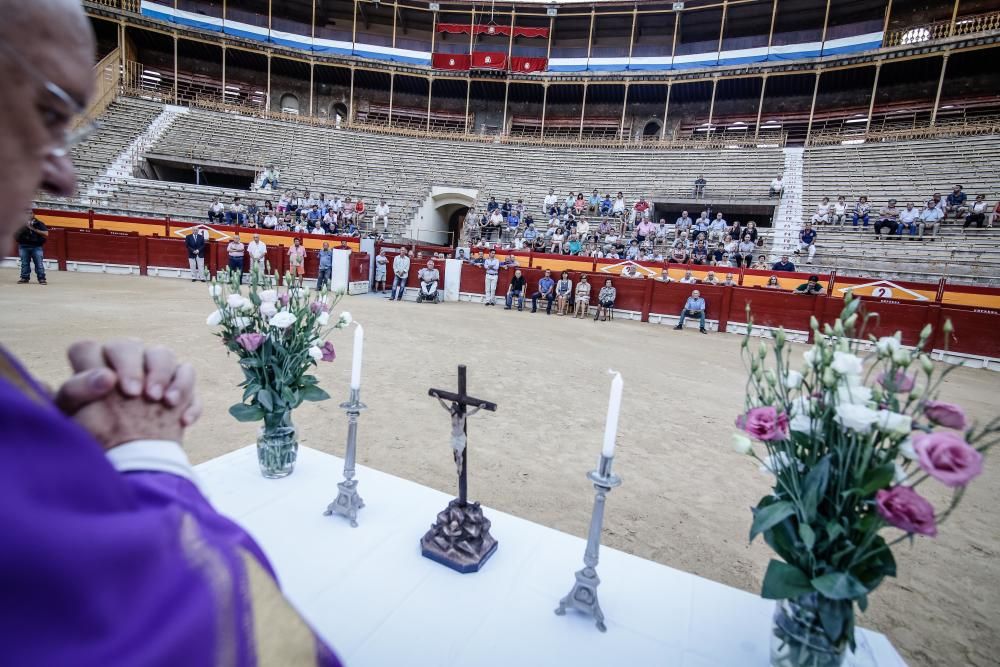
x=277, y=337
x=849, y=441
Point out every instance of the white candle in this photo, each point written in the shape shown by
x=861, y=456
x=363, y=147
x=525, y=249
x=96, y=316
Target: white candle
x=614, y=409
x=359, y=343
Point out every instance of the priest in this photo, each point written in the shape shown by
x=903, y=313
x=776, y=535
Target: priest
x=111, y=555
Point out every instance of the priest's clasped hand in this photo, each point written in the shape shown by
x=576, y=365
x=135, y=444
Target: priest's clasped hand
x=123, y=391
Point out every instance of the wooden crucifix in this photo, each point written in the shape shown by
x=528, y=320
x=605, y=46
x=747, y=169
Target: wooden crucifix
x=459, y=410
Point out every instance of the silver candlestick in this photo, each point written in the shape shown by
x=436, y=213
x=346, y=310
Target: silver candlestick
x=348, y=502
x=583, y=595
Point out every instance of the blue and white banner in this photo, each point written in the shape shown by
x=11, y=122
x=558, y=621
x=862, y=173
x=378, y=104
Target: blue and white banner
x=843, y=45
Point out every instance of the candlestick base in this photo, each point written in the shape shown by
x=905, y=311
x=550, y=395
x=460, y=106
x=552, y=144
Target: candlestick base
x=460, y=538
x=347, y=503
x=583, y=597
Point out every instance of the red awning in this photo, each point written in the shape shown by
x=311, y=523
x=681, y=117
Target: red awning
x=489, y=60
x=526, y=65
x=454, y=61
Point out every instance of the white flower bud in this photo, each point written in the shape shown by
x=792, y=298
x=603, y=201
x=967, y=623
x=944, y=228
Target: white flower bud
x=742, y=444
x=926, y=364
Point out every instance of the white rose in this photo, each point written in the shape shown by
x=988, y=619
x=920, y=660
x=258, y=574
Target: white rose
x=282, y=320
x=802, y=405
x=893, y=422
x=812, y=356
x=214, y=290
x=316, y=353
x=268, y=296
x=241, y=322
x=235, y=301
x=793, y=380
x=345, y=319
x=805, y=424
x=742, y=444
x=323, y=318
x=887, y=345
x=268, y=310
x=845, y=363
x=215, y=319
x=906, y=450
x=778, y=462
x=899, y=476
x=902, y=357
x=854, y=394
x=856, y=417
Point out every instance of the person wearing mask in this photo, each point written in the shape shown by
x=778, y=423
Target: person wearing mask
x=693, y=307
x=195, y=245
x=492, y=266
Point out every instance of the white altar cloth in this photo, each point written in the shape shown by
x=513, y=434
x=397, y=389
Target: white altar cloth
x=372, y=596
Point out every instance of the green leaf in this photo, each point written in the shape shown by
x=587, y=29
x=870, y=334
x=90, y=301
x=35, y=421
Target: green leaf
x=808, y=535
x=833, y=615
x=250, y=362
x=766, y=517
x=246, y=413
x=309, y=379
x=877, y=478
x=783, y=581
x=251, y=390
x=254, y=298
x=839, y=586
x=313, y=393
x=815, y=486
x=834, y=530
x=264, y=397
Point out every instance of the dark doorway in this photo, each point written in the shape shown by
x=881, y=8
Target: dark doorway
x=339, y=108
x=652, y=128
x=455, y=222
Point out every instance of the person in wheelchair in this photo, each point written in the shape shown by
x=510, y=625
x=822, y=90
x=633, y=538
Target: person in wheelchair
x=429, y=278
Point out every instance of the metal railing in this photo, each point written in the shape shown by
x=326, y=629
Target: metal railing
x=979, y=126
x=964, y=25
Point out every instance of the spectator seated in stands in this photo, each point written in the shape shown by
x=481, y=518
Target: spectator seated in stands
x=930, y=219
x=579, y=204
x=550, y=203
x=730, y=281
x=678, y=252
x=699, y=253
x=807, y=241
x=513, y=223
x=888, y=218
x=429, y=277
x=359, y=211
x=556, y=241
x=862, y=210
x=235, y=214
x=493, y=224
x=717, y=228
x=607, y=205
x=217, y=212
x=606, y=301
x=639, y=210
x=382, y=213
x=783, y=264
x=717, y=255
x=506, y=207
x=516, y=289
x=956, y=202
x=745, y=250
x=662, y=230
x=618, y=208
x=772, y=283
x=492, y=205
x=699, y=186
x=761, y=264
x=479, y=260
x=701, y=227
x=530, y=234
x=314, y=217
x=632, y=252
x=812, y=286
x=688, y=278
x=582, y=298
x=629, y=271
x=645, y=230
x=822, y=214
x=752, y=230
x=693, y=307
x=510, y=262
x=546, y=290
x=839, y=211
x=908, y=220
x=269, y=179
x=583, y=230
x=573, y=245
x=594, y=202
x=977, y=213
x=710, y=279
x=777, y=185
x=683, y=224
x=564, y=293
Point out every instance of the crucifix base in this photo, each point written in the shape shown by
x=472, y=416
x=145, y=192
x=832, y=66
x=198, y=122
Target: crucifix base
x=347, y=502
x=583, y=597
x=460, y=538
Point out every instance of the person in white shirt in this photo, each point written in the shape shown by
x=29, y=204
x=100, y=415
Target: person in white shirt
x=550, y=202
x=977, y=213
x=909, y=219
x=258, y=254
x=688, y=279
x=822, y=214
x=776, y=187
x=234, y=216
x=338, y=204
x=717, y=229
x=381, y=213
x=270, y=220
x=217, y=212
x=839, y=212
x=492, y=266
x=400, y=271
x=684, y=223
x=269, y=179
x=931, y=218
x=618, y=208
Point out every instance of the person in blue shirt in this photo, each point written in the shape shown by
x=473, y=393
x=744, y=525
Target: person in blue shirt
x=783, y=265
x=955, y=202
x=513, y=223
x=325, y=266
x=546, y=290
x=314, y=216
x=594, y=201
x=492, y=205
x=693, y=307
x=506, y=207
x=530, y=234
x=807, y=242
x=606, y=205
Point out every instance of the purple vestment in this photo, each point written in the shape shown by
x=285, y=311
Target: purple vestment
x=105, y=568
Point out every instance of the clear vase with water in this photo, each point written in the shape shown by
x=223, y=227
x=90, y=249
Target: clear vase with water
x=798, y=638
x=277, y=445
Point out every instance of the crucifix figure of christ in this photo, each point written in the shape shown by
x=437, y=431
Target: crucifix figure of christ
x=460, y=537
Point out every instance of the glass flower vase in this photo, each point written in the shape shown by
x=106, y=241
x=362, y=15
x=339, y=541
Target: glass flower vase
x=277, y=446
x=798, y=638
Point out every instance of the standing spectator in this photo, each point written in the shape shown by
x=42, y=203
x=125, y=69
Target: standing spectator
x=269, y=179
x=428, y=277
x=812, y=286
x=693, y=307
x=931, y=218
x=777, y=185
x=783, y=264
x=492, y=266
x=258, y=256
x=807, y=242
x=908, y=220
x=822, y=214
x=297, y=261
x=400, y=271
x=839, y=211
x=381, y=213
x=506, y=207
x=564, y=290
x=699, y=186
x=744, y=253
x=380, y=269
x=30, y=239
x=235, y=250
x=977, y=213
x=861, y=211
x=546, y=290
x=888, y=218
x=955, y=203
x=217, y=211
x=195, y=245
x=325, y=266
x=515, y=290
x=605, y=300
x=582, y=301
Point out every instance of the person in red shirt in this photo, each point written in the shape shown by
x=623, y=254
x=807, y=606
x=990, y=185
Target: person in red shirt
x=639, y=210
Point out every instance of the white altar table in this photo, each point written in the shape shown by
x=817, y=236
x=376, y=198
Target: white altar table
x=379, y=603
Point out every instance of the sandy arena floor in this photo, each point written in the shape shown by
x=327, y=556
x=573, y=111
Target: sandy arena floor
x=686, y=497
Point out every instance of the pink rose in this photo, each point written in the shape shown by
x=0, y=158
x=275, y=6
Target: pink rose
x=900, y=382
x=328, y=352
x=944, y=414
x=906, y=509
x=764, y=423
x=948, y=458
x=250, y=341
x=284, y=299
x=318, y=307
